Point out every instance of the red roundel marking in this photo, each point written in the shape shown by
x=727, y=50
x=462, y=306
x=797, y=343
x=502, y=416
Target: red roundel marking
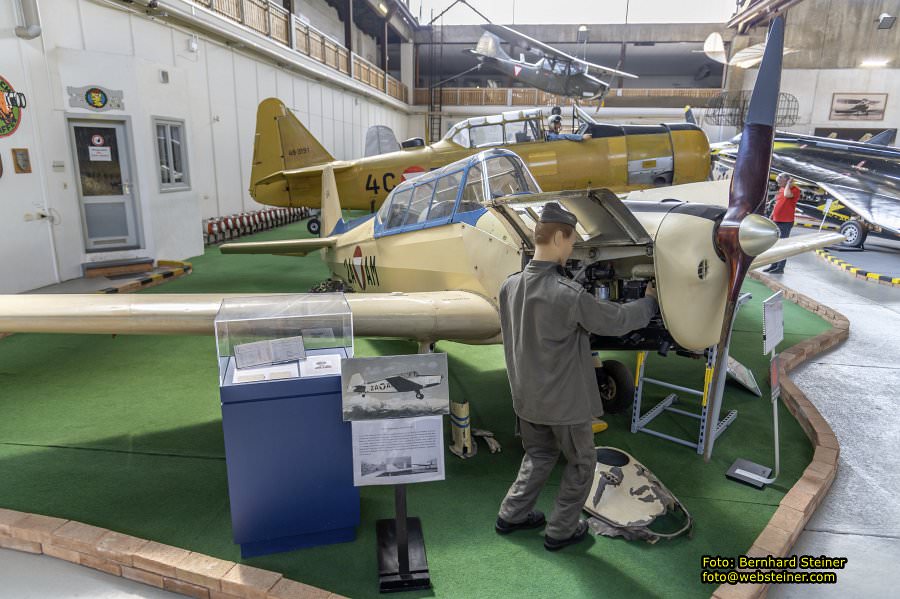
x=358, y=273
x=411, y=169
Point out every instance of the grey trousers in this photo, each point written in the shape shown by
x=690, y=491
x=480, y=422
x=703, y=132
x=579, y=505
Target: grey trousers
x=543, y=444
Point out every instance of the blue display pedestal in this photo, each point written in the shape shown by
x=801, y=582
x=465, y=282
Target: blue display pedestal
x=289, y=460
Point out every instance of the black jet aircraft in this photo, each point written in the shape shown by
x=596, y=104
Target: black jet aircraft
x=554, y=71
x=855, y=185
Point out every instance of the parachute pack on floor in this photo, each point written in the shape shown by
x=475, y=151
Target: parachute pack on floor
x=626, y=499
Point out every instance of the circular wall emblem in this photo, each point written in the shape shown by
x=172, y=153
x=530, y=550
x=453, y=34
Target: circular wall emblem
x=97, y=140
x=95, y=97
x=11, y=105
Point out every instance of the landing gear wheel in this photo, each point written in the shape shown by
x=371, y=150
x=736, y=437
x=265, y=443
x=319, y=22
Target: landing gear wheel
x=314, y=226
x=616, y=386
x=419, y=395
x=854, y=233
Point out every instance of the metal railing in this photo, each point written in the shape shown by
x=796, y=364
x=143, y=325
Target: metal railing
x=271, y=20
x=515, y=96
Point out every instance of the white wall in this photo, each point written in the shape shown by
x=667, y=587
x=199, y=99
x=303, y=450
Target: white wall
x=814, y=88
x=215, y=91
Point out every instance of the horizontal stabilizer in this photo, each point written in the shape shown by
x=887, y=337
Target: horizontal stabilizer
x=791, y=246
x=299, y=172
x=287, y=247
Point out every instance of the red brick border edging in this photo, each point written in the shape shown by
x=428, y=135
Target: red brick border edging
x=798, y=505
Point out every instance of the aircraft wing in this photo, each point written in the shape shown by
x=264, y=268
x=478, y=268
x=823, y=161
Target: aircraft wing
x=288, y=247
x=704, y=192
x=791, y=246
x=518, y=38
x=423, y=316
x=401, y=385
x=877, y=208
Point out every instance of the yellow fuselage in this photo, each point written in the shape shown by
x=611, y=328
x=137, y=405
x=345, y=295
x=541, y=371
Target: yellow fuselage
x=610, y=162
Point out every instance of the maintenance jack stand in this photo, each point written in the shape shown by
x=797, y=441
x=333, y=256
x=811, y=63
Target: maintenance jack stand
x=640, y=422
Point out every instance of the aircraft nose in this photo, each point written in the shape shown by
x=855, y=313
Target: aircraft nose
x=757, y=234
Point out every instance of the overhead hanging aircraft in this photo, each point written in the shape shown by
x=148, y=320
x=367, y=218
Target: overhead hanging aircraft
x=430, y=263
x=555, y=71
x=288, y=162
x=854, y=185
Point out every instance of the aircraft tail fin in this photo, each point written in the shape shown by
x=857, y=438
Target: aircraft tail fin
x=489, y=45
x=331, y=202
x=689, y=115
x=356, y=380
x=282, y=143
x=882, y=139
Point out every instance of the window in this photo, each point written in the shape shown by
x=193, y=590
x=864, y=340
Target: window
x=395, y=214
x=521, y=132
x=486, y=135
x=473, y=192
x=461, y=137
x=445, y=196
x=418, y=207
x=171, y=154
x=507, y=177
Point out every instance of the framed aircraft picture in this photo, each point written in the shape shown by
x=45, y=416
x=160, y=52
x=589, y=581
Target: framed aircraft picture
x=395, y=387
x=858, y=107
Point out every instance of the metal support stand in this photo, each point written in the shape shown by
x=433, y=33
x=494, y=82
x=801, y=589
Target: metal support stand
x=402, y=564
x=745, y=471
x=640, y=422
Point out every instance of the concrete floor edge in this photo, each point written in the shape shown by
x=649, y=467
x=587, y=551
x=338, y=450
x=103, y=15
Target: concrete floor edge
x=800, y=503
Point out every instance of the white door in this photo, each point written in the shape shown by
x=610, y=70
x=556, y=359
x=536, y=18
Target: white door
x=104, y=184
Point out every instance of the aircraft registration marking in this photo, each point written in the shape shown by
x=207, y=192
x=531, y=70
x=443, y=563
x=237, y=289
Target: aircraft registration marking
x=389, y=179
x=361, y=270
x=299, y=151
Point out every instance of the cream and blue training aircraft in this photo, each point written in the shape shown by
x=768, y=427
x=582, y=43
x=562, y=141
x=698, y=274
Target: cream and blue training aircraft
x=429, y=265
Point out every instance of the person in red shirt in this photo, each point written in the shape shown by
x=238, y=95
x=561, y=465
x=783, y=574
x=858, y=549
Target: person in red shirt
x=783, y=214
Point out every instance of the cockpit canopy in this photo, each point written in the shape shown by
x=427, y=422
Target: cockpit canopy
x=454, y=193
x=514, y=126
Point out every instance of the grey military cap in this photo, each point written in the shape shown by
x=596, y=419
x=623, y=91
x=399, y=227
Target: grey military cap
x=554, y=213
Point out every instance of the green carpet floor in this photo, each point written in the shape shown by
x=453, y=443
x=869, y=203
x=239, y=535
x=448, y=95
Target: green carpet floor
x=125, y=433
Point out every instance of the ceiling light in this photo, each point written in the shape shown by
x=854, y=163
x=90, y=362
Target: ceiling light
x=383, y=8
x=875, y=63
x=885, y=21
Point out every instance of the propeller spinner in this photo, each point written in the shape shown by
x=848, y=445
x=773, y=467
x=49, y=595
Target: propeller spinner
x=744, y=233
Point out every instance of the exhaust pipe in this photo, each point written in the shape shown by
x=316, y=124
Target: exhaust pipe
x=32, y=27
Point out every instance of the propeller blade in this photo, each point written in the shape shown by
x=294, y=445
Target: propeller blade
x=747, y=196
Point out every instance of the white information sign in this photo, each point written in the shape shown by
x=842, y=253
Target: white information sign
x=398, y=451
x=99, y=154
x=320, y=365
x=773, y=322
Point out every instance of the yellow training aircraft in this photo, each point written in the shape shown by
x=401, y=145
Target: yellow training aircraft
x=288, y=162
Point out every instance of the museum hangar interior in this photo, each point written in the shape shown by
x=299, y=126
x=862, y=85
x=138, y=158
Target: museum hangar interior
x=254, y=333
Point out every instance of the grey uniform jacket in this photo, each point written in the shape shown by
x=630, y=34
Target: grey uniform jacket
x=546, y=319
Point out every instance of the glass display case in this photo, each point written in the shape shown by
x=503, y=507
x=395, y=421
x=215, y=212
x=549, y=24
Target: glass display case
x=279, y=337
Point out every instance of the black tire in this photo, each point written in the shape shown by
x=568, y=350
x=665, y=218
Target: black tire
x=314, y=226
x=854, y=233
x=616, y=385
x=419, y=395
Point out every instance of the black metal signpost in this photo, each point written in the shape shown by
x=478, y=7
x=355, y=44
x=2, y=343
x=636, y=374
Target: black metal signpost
x=402, y=564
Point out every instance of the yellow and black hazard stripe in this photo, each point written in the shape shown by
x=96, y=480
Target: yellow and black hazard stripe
x=825, y=227
x=858, y=272
x=173, y=270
